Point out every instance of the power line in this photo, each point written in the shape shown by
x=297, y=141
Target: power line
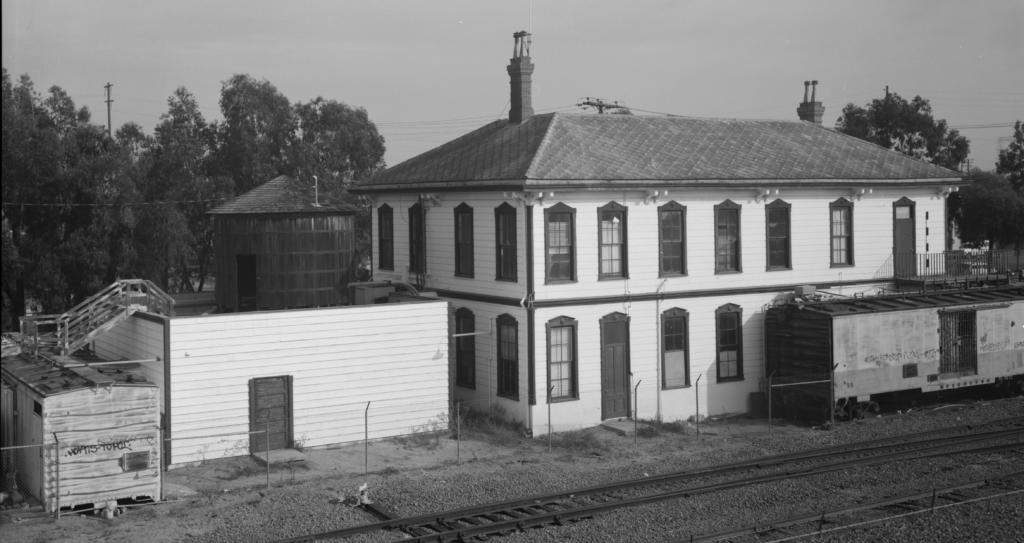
x=122, y=204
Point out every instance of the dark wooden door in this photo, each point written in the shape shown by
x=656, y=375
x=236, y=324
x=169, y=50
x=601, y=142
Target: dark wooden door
x=614, y=367
x=270, y=409
x=903, y=240
x=248, y=282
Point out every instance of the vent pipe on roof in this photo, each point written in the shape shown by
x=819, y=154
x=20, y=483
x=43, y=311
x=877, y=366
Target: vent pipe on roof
x=811, y=111
x=520, y=70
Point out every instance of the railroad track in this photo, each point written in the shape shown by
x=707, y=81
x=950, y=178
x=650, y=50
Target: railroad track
x=560, y=507
x=915, y=503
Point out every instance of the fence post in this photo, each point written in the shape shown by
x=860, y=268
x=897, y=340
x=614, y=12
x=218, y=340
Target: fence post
x=550, y=390
x=56, y=461
x=636, y=416
x=266, y=437
x=366, y=440
x=696, y=388
x=770, y=403
x=458, y=431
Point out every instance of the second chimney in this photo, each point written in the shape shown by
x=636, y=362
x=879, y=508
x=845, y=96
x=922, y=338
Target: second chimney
x=520, y=72
x=812, y=111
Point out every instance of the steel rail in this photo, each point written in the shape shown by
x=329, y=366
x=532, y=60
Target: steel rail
x=820, y=516
x=557, y=517
x=810, y=455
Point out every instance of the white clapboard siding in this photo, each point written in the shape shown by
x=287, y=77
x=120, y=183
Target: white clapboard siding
x=485, y=393
x=136, y=339
x=393, y=355
x=441, y=243
x=810, y=239
x=96, y=428
x=645, y=360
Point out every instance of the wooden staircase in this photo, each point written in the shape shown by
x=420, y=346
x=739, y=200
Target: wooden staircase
x=98, y=314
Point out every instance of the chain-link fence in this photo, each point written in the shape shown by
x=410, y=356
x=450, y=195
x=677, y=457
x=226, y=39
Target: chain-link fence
x=206, y=456
x=22, y=473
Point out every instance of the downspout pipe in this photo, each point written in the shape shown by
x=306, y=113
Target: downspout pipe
x=659, y=332
x=531, y=339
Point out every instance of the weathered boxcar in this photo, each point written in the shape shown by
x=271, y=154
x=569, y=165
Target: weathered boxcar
x=283, y=245
x=85, y=430
x=846, y=353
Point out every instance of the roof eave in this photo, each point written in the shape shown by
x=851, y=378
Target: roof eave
x=637, y=184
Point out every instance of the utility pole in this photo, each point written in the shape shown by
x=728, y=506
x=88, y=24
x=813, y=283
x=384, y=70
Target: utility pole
x=887, y=93
x=110, y=132
x=599, y=104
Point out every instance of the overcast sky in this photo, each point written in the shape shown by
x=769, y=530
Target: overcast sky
x=428, y=72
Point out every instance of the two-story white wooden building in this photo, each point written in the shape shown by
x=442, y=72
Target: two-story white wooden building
x=602, y=251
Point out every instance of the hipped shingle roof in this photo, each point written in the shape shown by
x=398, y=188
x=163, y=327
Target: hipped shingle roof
x=559, y=149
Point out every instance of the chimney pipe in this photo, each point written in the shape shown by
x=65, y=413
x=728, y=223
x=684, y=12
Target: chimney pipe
x=520, y=71
x=811, y=111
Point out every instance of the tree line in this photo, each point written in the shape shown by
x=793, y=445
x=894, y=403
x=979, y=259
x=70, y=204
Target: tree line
x=988, y=210
x=82, y=209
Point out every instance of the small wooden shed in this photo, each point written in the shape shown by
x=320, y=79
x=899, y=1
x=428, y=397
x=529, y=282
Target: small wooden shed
x=87, y=430
x=282, y=245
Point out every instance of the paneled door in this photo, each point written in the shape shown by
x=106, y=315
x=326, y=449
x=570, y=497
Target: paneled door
x=270, y=410
x=614, y=366
x=904, y=257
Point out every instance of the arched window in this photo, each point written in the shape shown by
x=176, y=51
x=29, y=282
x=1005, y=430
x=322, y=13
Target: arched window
x=385, y=238
x=562, y=358
x=505, y=234
x=675, y=356
x=508, y=357
x=727, y=238
x=465, y=348
x=729, y=342
x=672, y=239
x=560, y=244
x=613, y=253
x=841, y=212
x=417, y=240
x=464, y=240
x=777, y=230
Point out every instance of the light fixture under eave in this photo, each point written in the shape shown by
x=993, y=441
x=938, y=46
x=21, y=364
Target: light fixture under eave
x=762, y=195
x=857, y=194
x=651, y=195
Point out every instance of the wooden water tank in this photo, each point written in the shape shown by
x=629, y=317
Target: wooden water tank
x=282, y=246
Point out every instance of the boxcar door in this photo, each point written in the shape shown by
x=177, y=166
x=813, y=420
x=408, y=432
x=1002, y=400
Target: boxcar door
x=248, y=282
x=614, y=366
x=959, y=343
x=903, y=250
x=270, y=409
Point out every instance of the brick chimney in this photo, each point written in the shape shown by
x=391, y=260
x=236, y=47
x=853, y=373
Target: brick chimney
x=520, y=71
x=811, y=111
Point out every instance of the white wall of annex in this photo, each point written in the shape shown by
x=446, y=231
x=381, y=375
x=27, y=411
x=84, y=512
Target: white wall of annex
x=393, y=355
x=136, y=339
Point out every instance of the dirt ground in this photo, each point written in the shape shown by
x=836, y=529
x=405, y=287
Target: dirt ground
x=230, y=500
x=196, y=495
